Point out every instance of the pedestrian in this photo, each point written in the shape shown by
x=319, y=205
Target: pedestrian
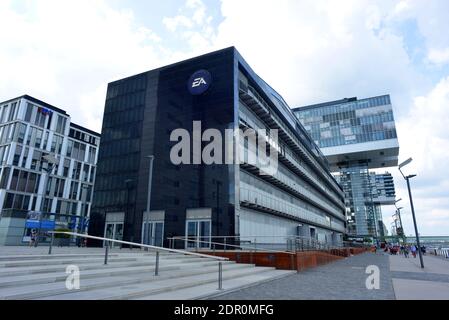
x=413, y=249
x=33, y=237
x=406, y=251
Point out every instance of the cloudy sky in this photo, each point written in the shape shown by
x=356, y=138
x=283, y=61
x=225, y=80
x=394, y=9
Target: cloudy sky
x=65, y=52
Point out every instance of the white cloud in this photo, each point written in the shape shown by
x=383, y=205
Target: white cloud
x=431, y=18
x=172, y=24
x=198, y=33
x=63, y=51
x=312, y=51
x=423, y=135
x=438, y=56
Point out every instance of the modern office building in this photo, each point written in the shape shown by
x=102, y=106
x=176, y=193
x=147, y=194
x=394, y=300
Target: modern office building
x=30, y=131
x=220, y=91
x=356, y=136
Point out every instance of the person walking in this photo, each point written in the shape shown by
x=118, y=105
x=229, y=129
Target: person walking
x=413, y=249
x=33, y=237
x=406, y=251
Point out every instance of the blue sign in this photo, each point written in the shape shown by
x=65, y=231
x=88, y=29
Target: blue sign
x=44, y=224
x=199, y=82
x=48, y=224
x=32, y=224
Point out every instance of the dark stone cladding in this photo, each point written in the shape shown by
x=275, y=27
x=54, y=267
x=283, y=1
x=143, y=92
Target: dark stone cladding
x=168, y=105
x=140, y=114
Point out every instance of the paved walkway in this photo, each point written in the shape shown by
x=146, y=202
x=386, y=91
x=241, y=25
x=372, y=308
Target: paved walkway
x=344, y=279
x=400, y=278
x=411, y=282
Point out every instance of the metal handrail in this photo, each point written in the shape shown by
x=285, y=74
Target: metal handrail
x=229, y=245
x=156, y=270
x=310, y=243
x=138, y=245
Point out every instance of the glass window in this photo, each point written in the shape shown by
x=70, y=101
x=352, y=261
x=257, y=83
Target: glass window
x=17, y=154
x=20, y=133
x=76, y=170
x=12, y=111
x=9, y=201
x=60, y=125
x=56, y=144
x=69, y=148
x=5, y=113
x=38, y=141
x=15, y=179
x=85, y=175
x=36, y=160
x=25, y=157
x=66, y=167
x=29, y=112
x=4, y=178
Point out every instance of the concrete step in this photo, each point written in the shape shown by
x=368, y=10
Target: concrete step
x=162, y=285
x=26, y=270
x=50, y=257
x=209, y=290
x=63, y=261
x=105, y=283
x=54, y=260
x=60, y=274
x=99, y=253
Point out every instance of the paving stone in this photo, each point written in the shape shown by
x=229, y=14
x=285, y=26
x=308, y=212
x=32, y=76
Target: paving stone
x=344, y=279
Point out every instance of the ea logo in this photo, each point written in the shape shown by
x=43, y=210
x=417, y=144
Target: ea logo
x=199, y=82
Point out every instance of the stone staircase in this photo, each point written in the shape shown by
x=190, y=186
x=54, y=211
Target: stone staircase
x=129, y=274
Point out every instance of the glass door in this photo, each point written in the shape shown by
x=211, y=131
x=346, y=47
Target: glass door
x=192, y=234
x=158, y=234
x=118, y=233
x=114, y=230
x=155, y=231
x=198, y=234
x=204, y=233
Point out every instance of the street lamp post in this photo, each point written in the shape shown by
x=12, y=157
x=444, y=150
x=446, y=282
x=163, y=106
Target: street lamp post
x=150, y=181
x=52, y=162
x=407, y=178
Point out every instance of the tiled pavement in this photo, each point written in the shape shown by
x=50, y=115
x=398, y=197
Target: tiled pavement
x=344, y=279
x=411, y=282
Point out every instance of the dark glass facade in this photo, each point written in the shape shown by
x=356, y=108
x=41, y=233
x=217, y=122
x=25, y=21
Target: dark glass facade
x=140, y=114
x=142, y=111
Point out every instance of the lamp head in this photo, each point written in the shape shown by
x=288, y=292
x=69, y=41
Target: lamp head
x=406, y=162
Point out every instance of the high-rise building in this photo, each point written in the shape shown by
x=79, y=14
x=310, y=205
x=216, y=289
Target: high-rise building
x=31, y=130
x=356, y=136
x=220, y=92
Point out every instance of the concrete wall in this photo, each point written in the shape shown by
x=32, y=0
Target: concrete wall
x=11, y=231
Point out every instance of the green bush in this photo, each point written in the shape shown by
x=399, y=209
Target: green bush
x=61, y=235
